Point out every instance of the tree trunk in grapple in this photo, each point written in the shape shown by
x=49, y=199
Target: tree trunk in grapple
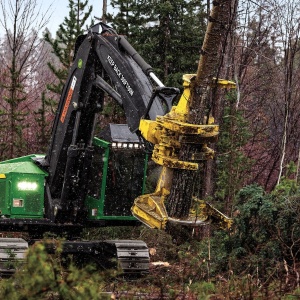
x=201, y=103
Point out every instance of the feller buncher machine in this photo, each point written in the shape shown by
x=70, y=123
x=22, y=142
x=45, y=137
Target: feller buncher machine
x=89, y=181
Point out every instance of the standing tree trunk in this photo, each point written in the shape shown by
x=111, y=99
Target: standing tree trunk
x=289, y=60
x=179, y=200
x=104, y=11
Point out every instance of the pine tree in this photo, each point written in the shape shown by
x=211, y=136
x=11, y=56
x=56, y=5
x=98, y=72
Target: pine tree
x=64, y=43
x=166, y=34
x=233, y=165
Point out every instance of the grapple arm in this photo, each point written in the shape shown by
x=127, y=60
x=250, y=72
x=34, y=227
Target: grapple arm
x=168, y=133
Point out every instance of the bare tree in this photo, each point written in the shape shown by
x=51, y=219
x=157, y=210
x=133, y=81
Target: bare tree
x=265, y=64
x=288, y=16
x=22, y=21
x=249, y=60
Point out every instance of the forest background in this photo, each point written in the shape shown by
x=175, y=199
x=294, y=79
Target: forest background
x=254, y=176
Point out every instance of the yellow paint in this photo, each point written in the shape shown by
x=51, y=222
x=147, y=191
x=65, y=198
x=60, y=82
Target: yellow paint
x=168, y=134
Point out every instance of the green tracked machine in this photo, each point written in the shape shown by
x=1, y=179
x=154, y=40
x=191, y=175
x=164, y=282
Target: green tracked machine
x=90, y=181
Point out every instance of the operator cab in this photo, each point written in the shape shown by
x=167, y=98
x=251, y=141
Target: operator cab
x=118, y=174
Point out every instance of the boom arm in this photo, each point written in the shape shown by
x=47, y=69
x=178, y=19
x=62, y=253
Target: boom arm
x=104, y=63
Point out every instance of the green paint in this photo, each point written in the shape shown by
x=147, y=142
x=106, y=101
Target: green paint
x=80, y=63
x=96, y=205
x=103, y=185
x=22, y=189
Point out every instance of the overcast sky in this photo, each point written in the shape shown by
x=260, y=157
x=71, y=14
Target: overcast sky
x=58, y=10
